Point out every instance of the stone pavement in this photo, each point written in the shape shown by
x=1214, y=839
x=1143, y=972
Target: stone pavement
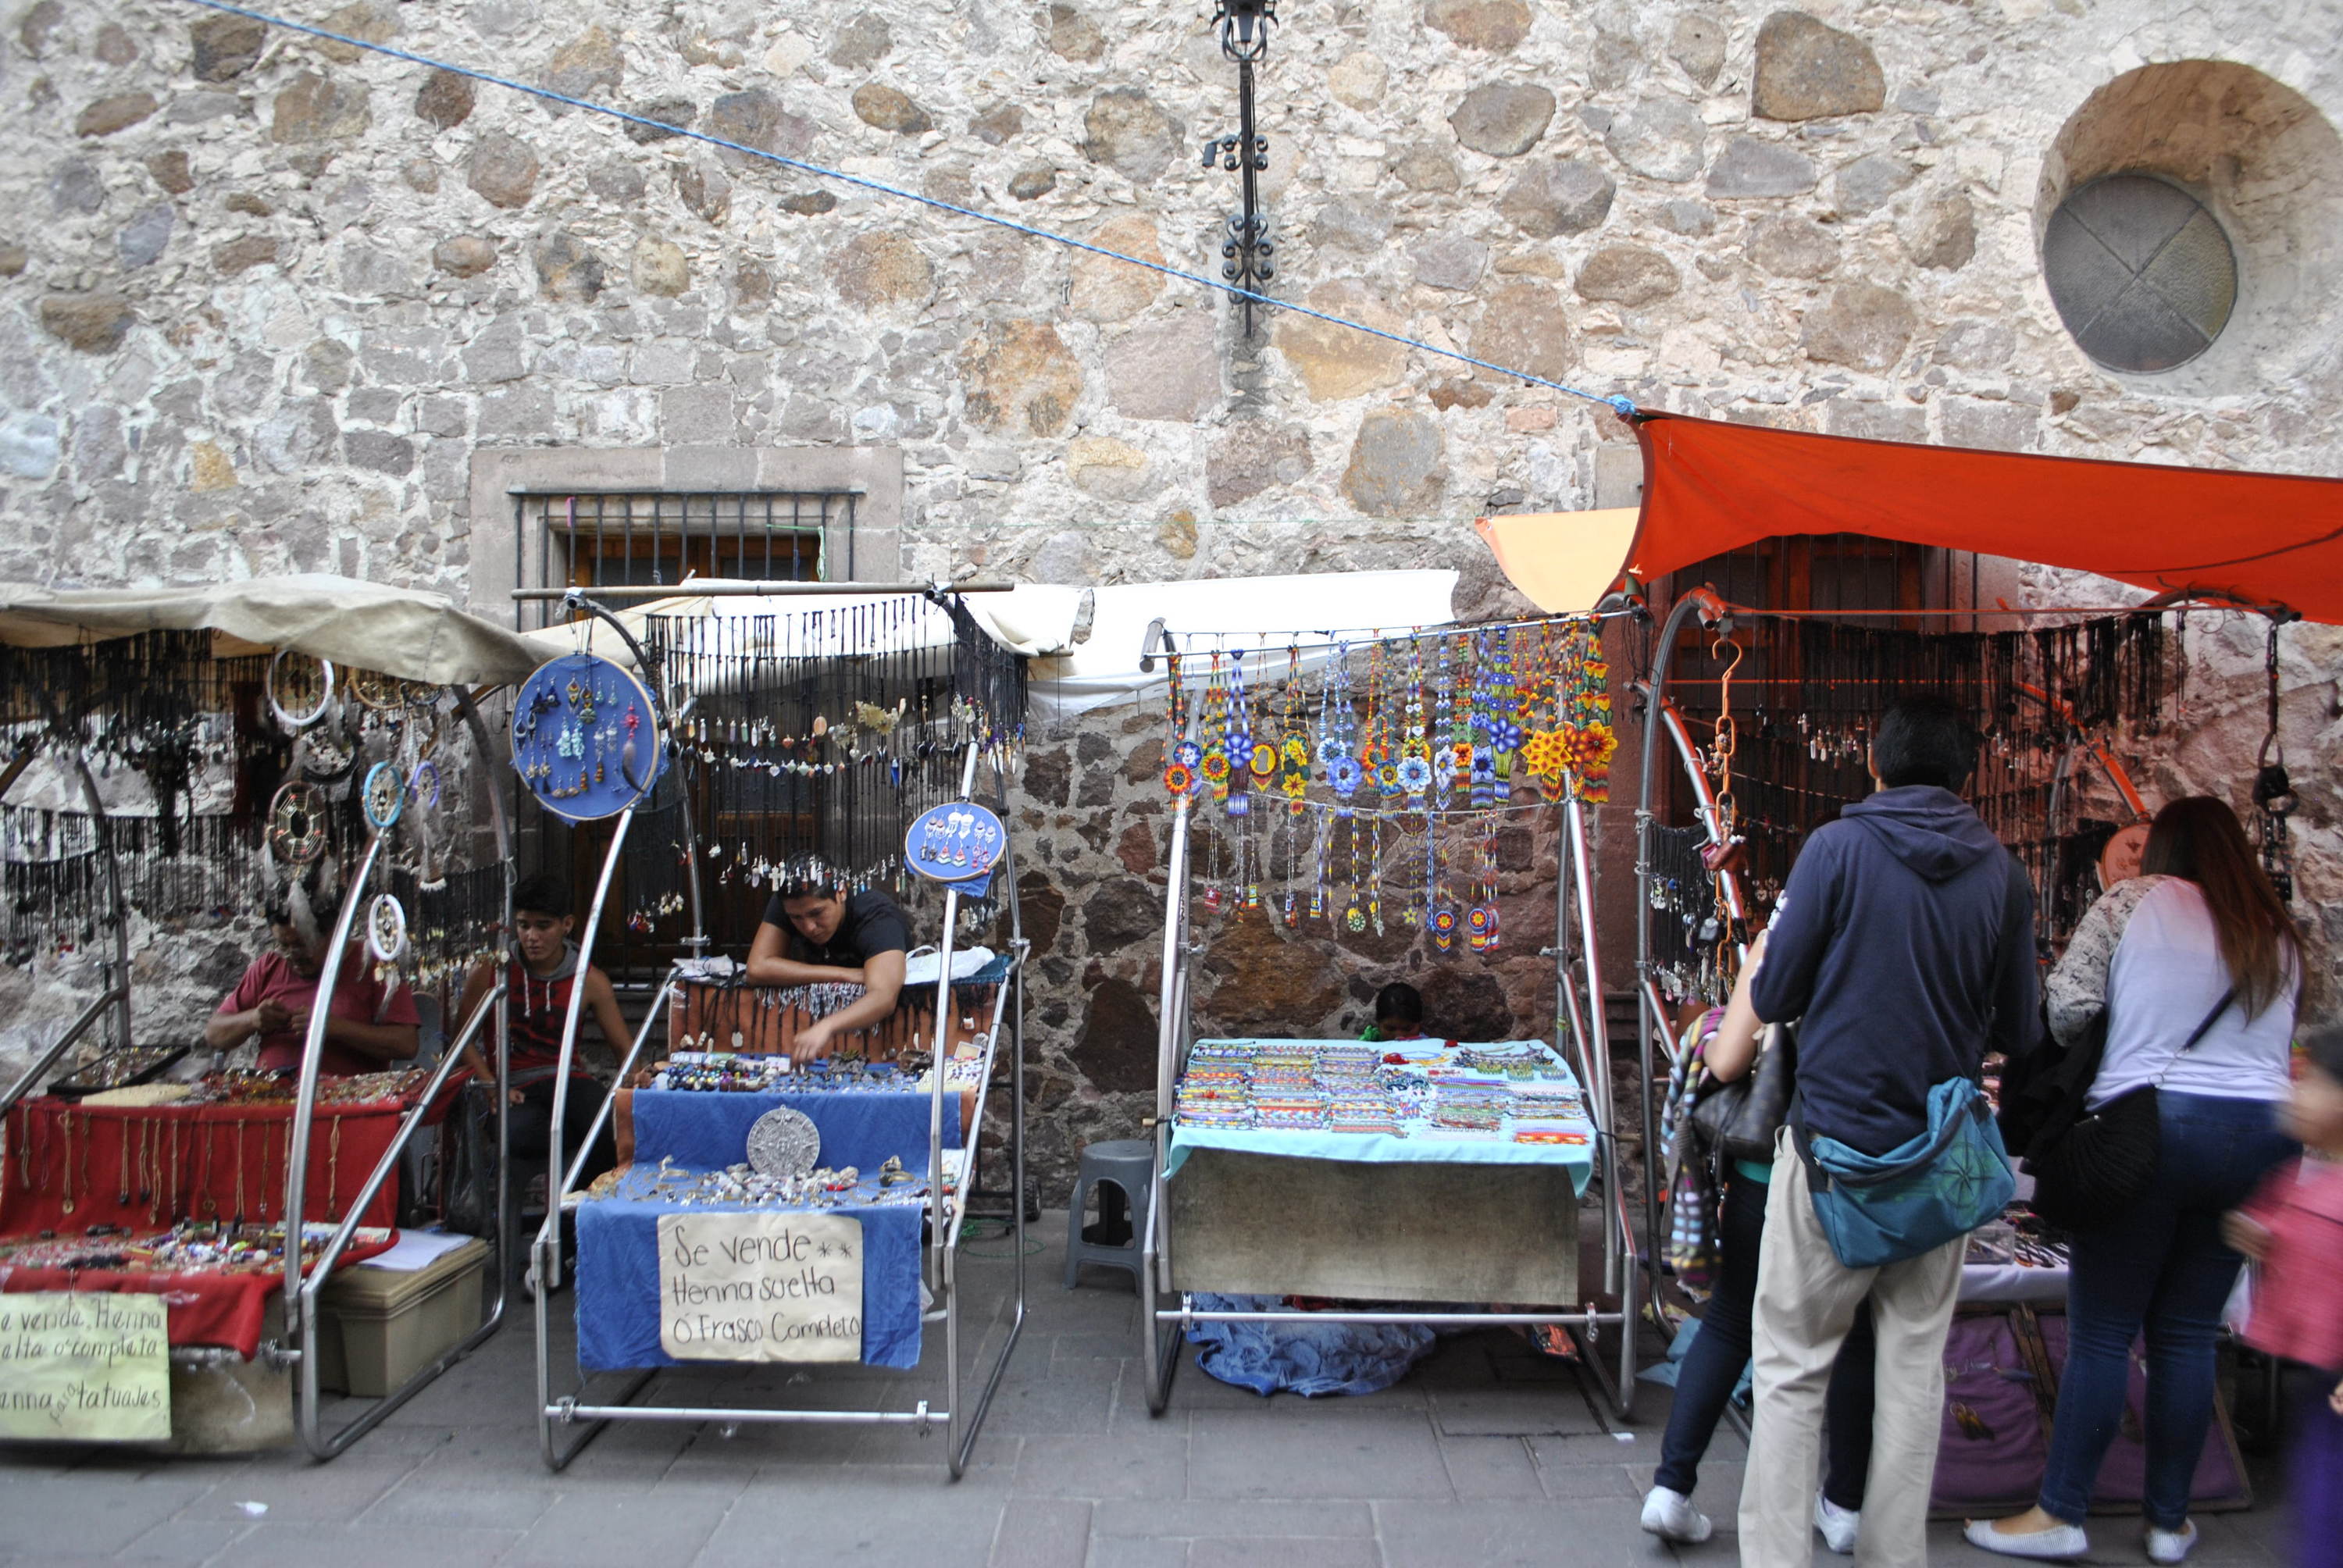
x=1488, y=1454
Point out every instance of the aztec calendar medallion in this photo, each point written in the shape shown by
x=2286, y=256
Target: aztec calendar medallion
x=783, y=1143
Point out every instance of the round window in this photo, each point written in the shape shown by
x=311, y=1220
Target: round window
x=2142, y=275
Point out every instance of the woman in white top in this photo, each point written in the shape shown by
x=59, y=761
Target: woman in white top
x=2200, y=933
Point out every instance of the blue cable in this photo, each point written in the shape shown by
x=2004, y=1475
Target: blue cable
x=1617, y=402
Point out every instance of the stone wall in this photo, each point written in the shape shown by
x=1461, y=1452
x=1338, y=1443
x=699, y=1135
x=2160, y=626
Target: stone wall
x=266, y=302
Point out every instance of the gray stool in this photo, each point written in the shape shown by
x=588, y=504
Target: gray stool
x=1127, y=1165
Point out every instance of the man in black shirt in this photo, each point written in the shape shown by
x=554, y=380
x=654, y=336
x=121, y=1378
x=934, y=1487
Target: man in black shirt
x=837, y=940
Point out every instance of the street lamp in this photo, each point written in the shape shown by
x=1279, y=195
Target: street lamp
x=1248, y=255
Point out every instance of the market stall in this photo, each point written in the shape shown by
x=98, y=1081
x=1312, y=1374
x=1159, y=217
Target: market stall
x=1437, y=1185
x=180, y=755
x=763, y=1210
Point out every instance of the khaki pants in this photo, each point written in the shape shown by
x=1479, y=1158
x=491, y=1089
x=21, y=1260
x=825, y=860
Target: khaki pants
x=1806, y=1300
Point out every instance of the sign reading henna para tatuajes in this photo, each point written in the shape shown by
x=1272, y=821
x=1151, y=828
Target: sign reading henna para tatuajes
x=89, y=1367
x=751, y=1287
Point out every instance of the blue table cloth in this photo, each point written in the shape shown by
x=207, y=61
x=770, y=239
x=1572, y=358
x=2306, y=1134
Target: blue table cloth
x=619, y=1273
x=1419, y=1144
x=708, y=1130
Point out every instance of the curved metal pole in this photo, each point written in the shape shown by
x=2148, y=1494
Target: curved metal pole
x=1700, y=601
x=298, y=1326
x=546, y=1257
x=508, y=1243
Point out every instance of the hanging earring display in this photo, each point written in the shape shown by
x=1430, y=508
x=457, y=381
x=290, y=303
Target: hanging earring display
x=584, y=738
x=297, y=824
x=385, y=795
x=386, y=928
x=299, y=688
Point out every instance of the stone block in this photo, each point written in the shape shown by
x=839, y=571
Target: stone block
x=313, y=108
x=1750, y=167
x=1103, y=466
x=676, y=112
x=588, y=66
x=522, y=413
x=568, y=270
x=1495, y=25
x=1450, y=262
x=1358, y=80
x=1397, y=468
x=499, y=352
x=755, y=118
x=74, y=186
x=1861, y=325
x=1102, y=289
x=445, y=100
x=297, y=436
x=1869, y=182
x=1350, y=226
x=1502, y=119
x=92, y=323
x=1168, y=369
x=659, y=267
x=502, y=170
x=1569, y=195
x=1662, y=139
x=363, y=20
x=1992, y=425
x=1525, y=328
x=704, y=190
x=1976, y=344
x=1130, y=134
x=1698, y=45
x=464, y=255
x=887, y=108
x=1336, y=362
x=1807, y=69
x=1876, y=421
x=1942, y=234
x=142, y=240
x=881, y=267
x=224, y=48
x=172, y=172
x=1792, y=247
x=1033, y=182
x=997, y=124
x=1074, y=36
x=1629, y=275
x=1686, y=217
x=1426, y=170
x=1019, y=378
x=117, y=113
x=29, y=446
x=380, y=451
x=1250, y=457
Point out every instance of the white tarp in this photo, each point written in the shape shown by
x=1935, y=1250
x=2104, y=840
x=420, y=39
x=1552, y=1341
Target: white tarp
x=1270, y=613
x=402, y=632
x=1029, y=619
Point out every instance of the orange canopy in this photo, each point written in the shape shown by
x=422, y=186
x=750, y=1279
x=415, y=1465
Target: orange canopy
x=2263, y=538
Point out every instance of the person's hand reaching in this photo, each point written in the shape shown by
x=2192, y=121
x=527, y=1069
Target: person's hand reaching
x=812, y=1043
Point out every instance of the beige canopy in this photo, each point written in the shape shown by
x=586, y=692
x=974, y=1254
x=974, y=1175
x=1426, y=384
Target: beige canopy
x=402, y=632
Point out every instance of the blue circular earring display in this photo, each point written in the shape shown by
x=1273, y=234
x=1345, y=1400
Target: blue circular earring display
x=585, y=738
x=385, y=795
x=957, y=841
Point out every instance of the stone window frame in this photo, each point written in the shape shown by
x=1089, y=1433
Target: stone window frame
x=872, y=474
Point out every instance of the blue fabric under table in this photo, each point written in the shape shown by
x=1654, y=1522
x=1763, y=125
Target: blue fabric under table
x=708, y=1130
x=619, y=1273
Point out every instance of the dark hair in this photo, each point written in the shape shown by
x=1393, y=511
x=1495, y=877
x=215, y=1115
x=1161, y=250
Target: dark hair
x=811, y=888
x=2324, y=1046
x=1924, y=740
x=1399, y=1003
x=542, y=894
x=2198, y=837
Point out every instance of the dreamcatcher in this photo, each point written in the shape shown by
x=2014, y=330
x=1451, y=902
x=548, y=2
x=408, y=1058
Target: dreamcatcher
x=300, y=689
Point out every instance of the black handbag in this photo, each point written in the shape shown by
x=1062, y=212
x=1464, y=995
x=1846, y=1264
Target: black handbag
x=2089, y=1166
x=1738, y=1120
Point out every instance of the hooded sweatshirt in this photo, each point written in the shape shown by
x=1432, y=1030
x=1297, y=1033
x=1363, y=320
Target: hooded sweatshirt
x=1903, y=945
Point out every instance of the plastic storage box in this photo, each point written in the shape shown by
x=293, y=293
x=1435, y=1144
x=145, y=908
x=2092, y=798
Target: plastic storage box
x=379, y=1326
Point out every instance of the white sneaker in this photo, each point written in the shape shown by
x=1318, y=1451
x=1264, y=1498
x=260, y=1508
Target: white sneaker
x=1837, y=1524
x=2171, y=1545
x=1670, y=1516
x=2054, y=1545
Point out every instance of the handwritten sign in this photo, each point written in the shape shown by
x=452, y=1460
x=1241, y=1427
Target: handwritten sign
x=761, y=1287
x=91, y=1367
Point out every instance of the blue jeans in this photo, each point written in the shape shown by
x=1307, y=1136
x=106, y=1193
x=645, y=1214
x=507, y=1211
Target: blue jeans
x=1711, y=1369
x=2161, y=1269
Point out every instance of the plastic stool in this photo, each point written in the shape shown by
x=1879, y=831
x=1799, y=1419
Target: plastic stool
x=1128, y=1166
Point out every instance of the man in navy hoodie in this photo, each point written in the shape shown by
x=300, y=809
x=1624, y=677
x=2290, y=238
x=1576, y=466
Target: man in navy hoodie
x=1903, y=943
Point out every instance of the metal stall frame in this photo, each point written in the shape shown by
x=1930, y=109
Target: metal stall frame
x=300, y=1294
x=940, y=1267
x=1573, y=898
x=303, y=1295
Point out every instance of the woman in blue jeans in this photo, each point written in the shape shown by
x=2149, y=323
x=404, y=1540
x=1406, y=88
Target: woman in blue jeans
x=2199, y=934
x=1711, y=1369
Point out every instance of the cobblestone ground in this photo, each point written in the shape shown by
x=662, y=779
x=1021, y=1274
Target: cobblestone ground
x=1487, y=1454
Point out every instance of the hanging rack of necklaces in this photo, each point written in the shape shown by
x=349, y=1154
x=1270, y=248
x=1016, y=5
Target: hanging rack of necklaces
x=1806, y=691
x=2273, y=791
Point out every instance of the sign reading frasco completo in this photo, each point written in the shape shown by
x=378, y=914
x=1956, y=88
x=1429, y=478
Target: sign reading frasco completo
x=92, y=1368
x=761, y=1287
